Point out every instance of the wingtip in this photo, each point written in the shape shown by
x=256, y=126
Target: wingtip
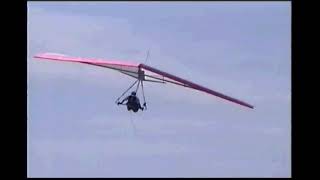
x=36, y=56
x=248, y=106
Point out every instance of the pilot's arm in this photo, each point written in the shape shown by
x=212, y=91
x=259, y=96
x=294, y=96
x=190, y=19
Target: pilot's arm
x=125, y=99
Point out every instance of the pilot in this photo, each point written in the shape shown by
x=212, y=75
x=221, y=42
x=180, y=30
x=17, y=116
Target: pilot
x=133, y=102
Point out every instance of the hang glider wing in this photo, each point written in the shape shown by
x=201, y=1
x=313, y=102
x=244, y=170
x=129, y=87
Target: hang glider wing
x=130, y=69
x=166, y=77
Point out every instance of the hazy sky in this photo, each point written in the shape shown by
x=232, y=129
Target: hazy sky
x=242, y=49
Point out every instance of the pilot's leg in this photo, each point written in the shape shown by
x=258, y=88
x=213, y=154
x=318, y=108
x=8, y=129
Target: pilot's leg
x=140, y=107
x=135, y=107
x=129, y=106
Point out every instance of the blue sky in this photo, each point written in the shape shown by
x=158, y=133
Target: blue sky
x=242, y=49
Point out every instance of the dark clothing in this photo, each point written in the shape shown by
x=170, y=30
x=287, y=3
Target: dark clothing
x=133, y=103
x=132, y=107
x=132, y=99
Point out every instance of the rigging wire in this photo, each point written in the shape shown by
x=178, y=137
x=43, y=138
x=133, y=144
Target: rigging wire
x=147, y=57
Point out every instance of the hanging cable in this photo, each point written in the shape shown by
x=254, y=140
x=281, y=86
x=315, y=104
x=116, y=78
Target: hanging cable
x=126, y=90
x=133, y=125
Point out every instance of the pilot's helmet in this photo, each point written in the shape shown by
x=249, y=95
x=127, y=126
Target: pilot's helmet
x=133, y=93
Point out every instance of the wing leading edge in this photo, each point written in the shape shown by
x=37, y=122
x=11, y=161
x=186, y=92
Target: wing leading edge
x=111, y=64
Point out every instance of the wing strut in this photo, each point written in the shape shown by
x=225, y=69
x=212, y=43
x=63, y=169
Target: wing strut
x=144, y=99
x=138, y=85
